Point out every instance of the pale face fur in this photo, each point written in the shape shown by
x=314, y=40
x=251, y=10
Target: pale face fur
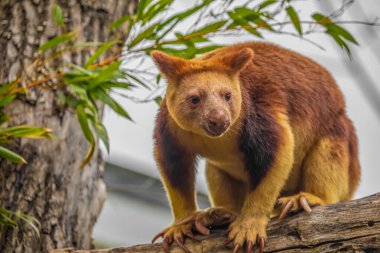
x=203, y=94
x=205, y=103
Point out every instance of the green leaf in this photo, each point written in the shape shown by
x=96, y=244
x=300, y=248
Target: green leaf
x=88, y=44
x=108, y=100
x=140, y=8
x=4, y=88
x=10, y=218
x=321, y=19
x=79, y=91
x=32, y=222
x=89, y=155
x=266, y=3
x=137, y=80
x=83, y=98
x=106, y=74
x=238, y=21
x=119, y=22
x=180, y=41
x=111, y=85
x=182, y=16
x=214, y=27
x=341, y=43
x=295, y=19
x=262, y=23
x=57, y=14
x=3, y=118
x=103, y=135
x=6, y=100
x=143, y=35
x=158, y=100
x=101, y=51
x=206, y=49
x=99, y=129
x=57, y=41
x=253, y=31
x=158, y=78
x=82, y=70
x=11, y=156
x=26, y=131
x=156, y=9
x=5, y=218
x=83, y=121
x=243, y=23
x=334, y=28
x=251, y=16
x=246, y=13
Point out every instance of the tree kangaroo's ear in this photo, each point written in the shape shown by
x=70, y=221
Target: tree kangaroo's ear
x=170, y=66
x=236, y=61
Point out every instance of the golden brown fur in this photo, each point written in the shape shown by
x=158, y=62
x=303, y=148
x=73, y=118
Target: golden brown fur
x=271, y=124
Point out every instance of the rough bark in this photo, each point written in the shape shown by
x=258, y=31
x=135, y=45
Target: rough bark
x=344, y=227
x=51, y=187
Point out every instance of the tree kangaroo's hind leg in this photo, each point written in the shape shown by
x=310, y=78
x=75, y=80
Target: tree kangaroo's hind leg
x=224, y=190
x=330, y=172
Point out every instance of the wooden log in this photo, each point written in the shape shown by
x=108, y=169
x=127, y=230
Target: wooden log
x=352, y=226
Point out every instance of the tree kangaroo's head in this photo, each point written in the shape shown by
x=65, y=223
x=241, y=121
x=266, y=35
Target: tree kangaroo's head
x=203, y=94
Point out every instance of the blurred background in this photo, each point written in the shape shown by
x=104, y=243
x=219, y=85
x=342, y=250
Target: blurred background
x=136, y=207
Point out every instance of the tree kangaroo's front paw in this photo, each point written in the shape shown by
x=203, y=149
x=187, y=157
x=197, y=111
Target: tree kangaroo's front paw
x=248, y=230
x=177, y=233
x=214, y=216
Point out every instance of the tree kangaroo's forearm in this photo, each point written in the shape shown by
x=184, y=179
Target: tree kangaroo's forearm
x=178, y=178
x=182, y=201
x=260, y=201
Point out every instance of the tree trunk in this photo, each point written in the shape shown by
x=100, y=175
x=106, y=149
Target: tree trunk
x=344, y=227
x=51, y=187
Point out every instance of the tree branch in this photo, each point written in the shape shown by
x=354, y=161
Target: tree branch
x=352, y=226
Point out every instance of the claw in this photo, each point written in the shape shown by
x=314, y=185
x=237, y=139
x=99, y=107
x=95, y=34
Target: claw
x=228, y=242
x=305, y=204
x=236, y=249
x=248, y=248
x=158, y=236
x=165, y=244
x=286, y=209
x=261, y=242
x=201, y=228
x=191, y=236
x=179, y=242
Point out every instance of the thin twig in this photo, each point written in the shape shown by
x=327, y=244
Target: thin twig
x=303, y=38
x=105, y=62
x=132, y=98
x=360, y=22
x=40, y=81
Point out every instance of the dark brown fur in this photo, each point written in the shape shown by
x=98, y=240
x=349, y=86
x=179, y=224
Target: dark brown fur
x=177, y=163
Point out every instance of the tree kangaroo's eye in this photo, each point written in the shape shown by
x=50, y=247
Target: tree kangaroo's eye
x=195, y=100
x=227, y=97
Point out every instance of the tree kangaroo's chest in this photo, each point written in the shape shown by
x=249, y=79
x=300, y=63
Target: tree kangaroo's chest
x=223, y=153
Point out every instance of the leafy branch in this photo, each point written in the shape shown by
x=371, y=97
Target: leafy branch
x=14, y=219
